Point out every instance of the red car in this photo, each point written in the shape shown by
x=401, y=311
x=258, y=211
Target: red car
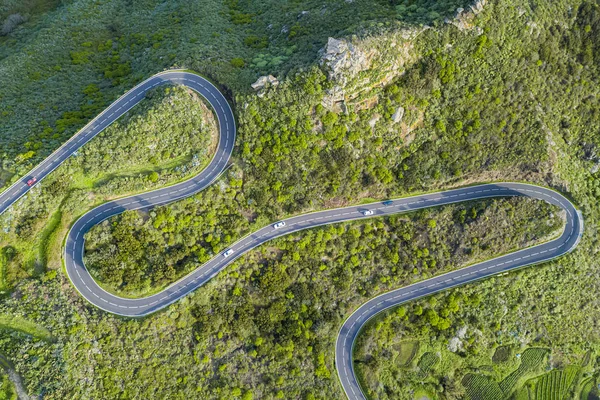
x=31, y=181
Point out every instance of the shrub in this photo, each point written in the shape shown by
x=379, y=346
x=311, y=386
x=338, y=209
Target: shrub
x=238, y=62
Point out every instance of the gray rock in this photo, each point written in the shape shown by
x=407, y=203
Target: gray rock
x=342, y=60
x=265, y=81
x=463, y=20
x=373, y=121
x=332, y=97
x=10, y=23
x=477, y=7
x=397, y=117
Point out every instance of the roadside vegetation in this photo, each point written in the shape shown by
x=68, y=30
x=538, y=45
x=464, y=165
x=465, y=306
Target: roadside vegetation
x=169, y=136
x=274, y=312
x=50, y=58
x=511, y=94
x=549, y=307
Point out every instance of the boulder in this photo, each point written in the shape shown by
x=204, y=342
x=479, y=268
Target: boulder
x=342, y=59
x=10, y=23
x=347, y=64
x=264, y=81
x=477, y=7
x=397, y=117
x=463, y=20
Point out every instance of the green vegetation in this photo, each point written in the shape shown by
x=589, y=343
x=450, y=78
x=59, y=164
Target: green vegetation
x=531, y=360
x=552, y=306
x=169, y=136
x=556, y=384
x=113, y=45
x=136, y=253
x=17, y=323
x=272, y=311
x=427, y=362
x=406, y=352
x=502, y=354
x=481, y=387
x=589, y=391
x=7, y=390
x=511, y=95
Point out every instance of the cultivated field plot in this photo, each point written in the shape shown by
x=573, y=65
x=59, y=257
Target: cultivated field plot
x=427, y=362
x=556, y=384
x=486, y=388
x=531, y=360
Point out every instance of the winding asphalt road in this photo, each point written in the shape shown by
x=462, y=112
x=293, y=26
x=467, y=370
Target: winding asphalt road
x=90, y=290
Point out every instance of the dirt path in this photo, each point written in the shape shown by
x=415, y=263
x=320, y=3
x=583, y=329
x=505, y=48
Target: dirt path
x=14, y=377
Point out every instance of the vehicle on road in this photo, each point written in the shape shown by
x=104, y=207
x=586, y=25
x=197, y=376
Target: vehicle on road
x=32, y=181
x=228, y=252
x=387, y=203
x=368, y=212
x=278, y=225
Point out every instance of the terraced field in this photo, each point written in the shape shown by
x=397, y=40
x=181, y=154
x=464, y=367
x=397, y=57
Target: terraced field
x=531, y=359
x=556, y=384
x=427, y=362
x=481, y=387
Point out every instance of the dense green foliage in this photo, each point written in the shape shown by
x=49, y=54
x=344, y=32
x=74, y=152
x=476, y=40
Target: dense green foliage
x=48, y=62
x=7, y=391
x=274, y=312
x=169, y=136
x=554, y=306
x=518, y=101
x=138, y=252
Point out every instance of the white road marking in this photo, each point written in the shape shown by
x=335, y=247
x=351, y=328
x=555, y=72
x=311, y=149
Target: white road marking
x=453, y=279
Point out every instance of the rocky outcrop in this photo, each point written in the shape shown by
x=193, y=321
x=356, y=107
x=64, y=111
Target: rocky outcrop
x=263, y=83
x=464, y=19
x=342, y=60
x=10, y=23
x=478, y=6
x=357, y=65
x=397, y=116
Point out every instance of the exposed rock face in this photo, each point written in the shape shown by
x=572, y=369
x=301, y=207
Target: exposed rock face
x=454, y=344
x=397, y=117
x=477, y=7
x=342, y=60
x=346, y=60
x=463, y=20
x=10, y=23
x=373, y=121
x=264, y=82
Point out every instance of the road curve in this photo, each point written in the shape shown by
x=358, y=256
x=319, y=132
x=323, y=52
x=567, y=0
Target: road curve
x=567, y=241
x=90, y=290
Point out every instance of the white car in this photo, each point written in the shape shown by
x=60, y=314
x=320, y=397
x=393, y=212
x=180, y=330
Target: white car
x=278, y=225
x=228, y=252
x=368, y=212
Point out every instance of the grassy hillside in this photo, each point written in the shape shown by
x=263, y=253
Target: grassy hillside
x=49, y=59
x=170, y=135
x=509, y=93
x=555, y=306
x=265, y=327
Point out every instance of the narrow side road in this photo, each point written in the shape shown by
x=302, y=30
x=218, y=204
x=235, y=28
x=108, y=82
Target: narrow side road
x=92, y=292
